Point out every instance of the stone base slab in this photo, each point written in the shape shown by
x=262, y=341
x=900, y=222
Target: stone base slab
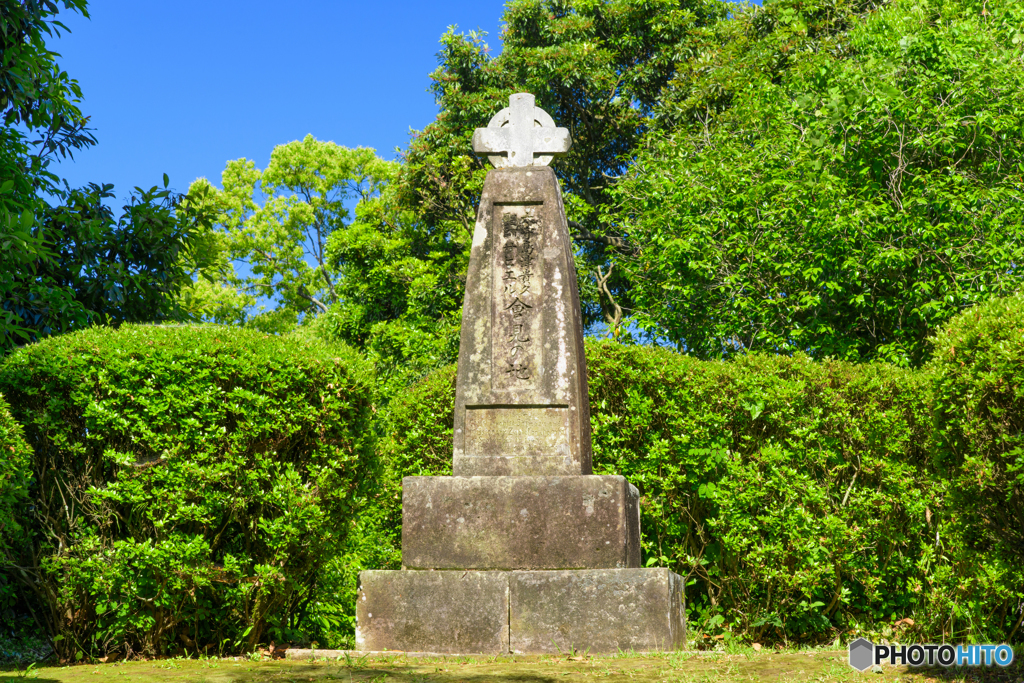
x=492, y=612
x=578, y=522
x=597, y=610
x=444, y=612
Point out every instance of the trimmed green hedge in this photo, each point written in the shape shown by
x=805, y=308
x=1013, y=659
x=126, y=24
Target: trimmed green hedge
x=796, y=496
x=979, y=415
x=978, y=364
x=221, y=486
x=189, y=484
x=793, y=491
x=15, y=456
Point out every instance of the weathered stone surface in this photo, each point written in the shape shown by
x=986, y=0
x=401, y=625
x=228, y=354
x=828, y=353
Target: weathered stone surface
x=520, y=522
x=521, y=134
x=521, y=395
x=449, y=612
x=522, y=432
x=463, y=612
x=600, y=610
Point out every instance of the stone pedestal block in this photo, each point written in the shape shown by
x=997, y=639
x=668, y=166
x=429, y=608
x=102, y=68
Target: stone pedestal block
x=600, y=610
x=445, y=612
x=466, y=612
x=520, y=522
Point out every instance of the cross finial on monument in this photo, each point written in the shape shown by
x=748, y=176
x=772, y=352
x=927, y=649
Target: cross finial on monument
x=521, y=134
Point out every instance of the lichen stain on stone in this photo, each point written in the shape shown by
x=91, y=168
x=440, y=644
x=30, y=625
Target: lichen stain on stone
x=481, y=332
x=588, y=505
x=563, y=330
x=480, y=234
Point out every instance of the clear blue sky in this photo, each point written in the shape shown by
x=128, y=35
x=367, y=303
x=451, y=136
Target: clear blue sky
x=182, y=87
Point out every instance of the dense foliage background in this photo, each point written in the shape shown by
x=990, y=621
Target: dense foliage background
x=840, y=192
x=810, y=209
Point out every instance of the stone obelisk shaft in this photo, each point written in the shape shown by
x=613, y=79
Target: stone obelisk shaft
x=521, y=397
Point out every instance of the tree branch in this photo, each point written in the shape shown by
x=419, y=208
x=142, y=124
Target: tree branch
x=312, y=299
x=613, y=319
x=585, y=234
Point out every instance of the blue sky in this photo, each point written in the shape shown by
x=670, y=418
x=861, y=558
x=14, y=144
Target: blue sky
x=181, y=88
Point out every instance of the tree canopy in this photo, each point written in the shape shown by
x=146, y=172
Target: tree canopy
x=319, y=238
x=832, y=176
x=597, y=67
x=65, y=260
x=278, y=221
x=837, y=178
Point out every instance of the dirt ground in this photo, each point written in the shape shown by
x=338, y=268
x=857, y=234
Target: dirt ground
x=681, y=667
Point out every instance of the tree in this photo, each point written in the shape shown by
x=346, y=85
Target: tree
x=598, y=68
x=400, y=289
x=835, y=180
x=35, y=96
x=278, y=222
x=71, y=263
x=34, y=92
x=375, y=276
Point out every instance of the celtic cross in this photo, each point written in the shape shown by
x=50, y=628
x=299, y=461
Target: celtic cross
x=521, y=134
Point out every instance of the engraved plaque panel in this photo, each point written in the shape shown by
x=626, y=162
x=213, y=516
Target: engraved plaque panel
x=518, y=295
x=517, y=431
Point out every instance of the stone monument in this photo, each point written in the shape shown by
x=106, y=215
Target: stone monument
x=522, y=550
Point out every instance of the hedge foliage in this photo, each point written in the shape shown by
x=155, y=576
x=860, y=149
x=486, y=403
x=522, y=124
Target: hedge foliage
x=188, y=484
x=796, y=496
x=978, y=364
x=15, y=456
x=223, y=487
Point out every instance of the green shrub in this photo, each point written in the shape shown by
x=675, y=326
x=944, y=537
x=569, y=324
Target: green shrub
x=15, y=456
x=978, y=364
x=795, y=496
x=15, y=459
x=794, y=492
x=416, y=440
x=189, y=483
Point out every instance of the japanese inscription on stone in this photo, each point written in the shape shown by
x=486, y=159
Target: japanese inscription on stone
x=518, y=288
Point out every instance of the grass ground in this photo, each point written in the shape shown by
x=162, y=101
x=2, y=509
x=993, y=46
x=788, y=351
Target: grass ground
x=684, y=667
